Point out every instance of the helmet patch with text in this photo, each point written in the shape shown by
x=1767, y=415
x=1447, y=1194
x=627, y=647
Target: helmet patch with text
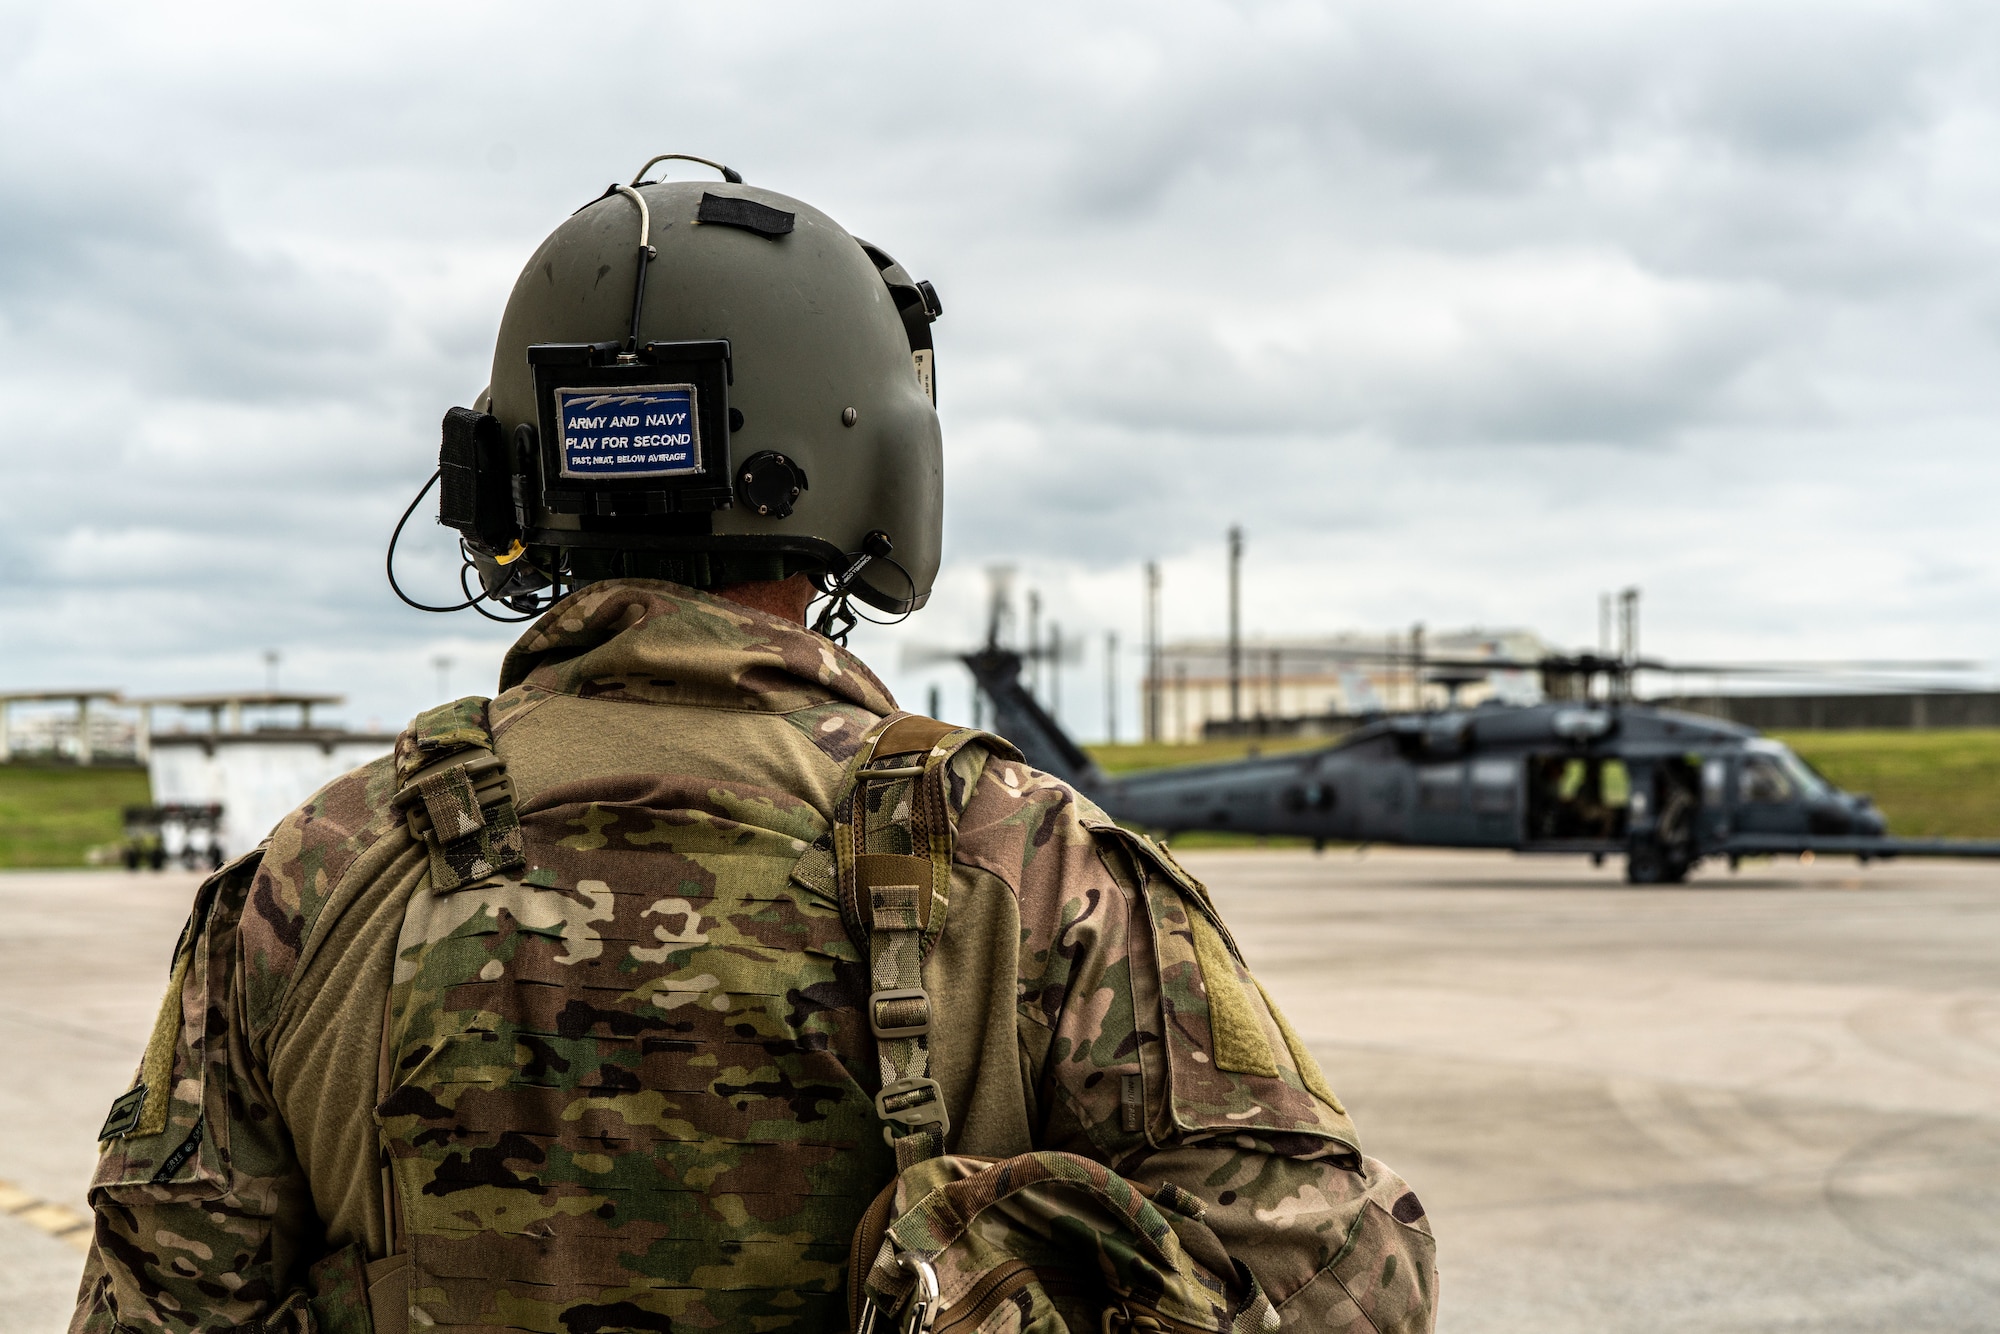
x=636, y=431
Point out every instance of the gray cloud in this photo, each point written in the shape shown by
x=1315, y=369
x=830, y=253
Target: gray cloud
x=1467, y=311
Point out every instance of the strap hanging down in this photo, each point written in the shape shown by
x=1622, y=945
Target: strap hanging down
x=893, y=841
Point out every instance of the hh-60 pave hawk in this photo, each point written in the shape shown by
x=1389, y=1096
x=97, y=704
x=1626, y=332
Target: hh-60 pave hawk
x=1573, y=774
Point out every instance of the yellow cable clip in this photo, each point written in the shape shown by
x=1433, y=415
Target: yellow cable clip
x=512, y=555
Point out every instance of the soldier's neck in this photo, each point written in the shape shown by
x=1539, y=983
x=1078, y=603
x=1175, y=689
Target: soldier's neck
x=786, y=598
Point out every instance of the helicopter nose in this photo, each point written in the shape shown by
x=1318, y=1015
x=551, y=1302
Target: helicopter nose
x=1866, y=820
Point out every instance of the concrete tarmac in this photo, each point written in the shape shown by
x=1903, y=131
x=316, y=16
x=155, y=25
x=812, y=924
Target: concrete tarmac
x=1761, y=1102
x=1768, y=1101
x=83, y=962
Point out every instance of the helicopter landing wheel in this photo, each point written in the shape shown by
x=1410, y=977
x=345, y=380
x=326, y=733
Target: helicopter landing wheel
x=1648, y=862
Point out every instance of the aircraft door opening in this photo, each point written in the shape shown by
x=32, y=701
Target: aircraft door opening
x=1577, y=799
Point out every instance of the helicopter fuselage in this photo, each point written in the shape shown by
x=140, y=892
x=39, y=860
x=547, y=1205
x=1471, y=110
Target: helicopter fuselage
x=1594, y=779
x=1662, y=788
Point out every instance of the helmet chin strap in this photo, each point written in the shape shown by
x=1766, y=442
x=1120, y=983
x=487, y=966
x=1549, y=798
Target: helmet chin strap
x=836, y=619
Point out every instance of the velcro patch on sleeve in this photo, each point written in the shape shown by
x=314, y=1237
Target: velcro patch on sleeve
x=1302, y=1060
x=156, y=1070
x=1240, y=1044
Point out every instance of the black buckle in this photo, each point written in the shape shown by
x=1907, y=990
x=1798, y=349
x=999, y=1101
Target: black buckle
x=877, y=1000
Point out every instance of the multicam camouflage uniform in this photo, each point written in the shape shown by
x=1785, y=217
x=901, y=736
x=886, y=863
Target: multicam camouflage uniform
x=609, y=1056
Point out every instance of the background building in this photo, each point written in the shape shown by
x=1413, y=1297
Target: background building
x=1305, y=685
x=256, y=777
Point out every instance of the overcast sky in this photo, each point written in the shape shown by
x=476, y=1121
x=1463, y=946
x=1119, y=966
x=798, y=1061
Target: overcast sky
x=1465, y=311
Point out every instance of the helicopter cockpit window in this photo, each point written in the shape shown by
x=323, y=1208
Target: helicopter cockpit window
x=1714, y=781
x=1804, y=777
x=1774, y=772
x=1764, y=780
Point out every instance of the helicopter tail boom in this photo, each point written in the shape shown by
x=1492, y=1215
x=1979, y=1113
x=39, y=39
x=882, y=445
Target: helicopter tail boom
x=1019, y=717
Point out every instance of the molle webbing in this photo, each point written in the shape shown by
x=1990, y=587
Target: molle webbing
x=456, y=796
x=893, y=838
x=629, y=1088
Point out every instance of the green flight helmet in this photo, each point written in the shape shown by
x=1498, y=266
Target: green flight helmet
x=709, y=383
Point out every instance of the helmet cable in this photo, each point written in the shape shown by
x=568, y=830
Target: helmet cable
x=478, y=604
x=389, y=560
x=729, y=174
x=535, y=607
x=646, y=255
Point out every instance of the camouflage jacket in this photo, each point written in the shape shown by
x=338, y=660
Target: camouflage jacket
x=1085, y=995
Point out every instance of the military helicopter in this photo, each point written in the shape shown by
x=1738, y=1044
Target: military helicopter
x=1585, y=772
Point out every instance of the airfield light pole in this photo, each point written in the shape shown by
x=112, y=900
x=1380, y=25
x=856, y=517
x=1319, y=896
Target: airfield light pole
x=1236, y=624
x=1150, y=694
x=1417, y=665
x=1628, y=637
x=1111, y=686
x=1055, y=670
x=999, y=605
x=1034, y=643
x=1181, y=729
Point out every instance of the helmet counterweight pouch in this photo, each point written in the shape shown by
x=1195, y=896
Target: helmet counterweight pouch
x=475, y=495
x=633, y=435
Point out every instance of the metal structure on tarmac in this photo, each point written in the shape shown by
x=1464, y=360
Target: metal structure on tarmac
x=1586, y=772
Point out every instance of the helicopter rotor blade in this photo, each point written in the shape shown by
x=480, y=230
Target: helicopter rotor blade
x=1806, y=667
x=927, y=655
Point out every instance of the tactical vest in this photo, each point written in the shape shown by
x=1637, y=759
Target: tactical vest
x=633, y=1062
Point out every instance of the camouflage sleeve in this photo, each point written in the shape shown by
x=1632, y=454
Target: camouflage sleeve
x=1158, y=1054
x=198, y=1202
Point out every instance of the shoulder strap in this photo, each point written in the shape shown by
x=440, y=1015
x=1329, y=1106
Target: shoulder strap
x=457, y=800
x=456, y=795
x=893, y=835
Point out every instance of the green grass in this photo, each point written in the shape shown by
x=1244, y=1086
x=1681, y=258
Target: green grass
x=53, y=815
x=1125, y=759
x=1928, y=784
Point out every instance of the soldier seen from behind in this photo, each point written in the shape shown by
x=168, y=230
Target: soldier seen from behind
x=686, y=984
